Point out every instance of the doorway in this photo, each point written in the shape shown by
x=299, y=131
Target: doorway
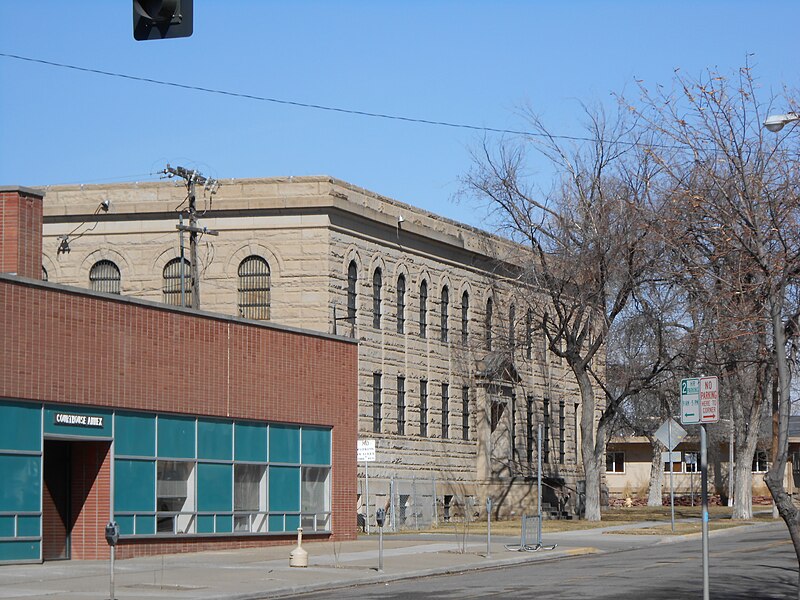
x=57, y=519
x=75, y=499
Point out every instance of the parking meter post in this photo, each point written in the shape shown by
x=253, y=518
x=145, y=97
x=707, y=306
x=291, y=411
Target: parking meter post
x=380, y=517
x=488, y=527
x=112, y=536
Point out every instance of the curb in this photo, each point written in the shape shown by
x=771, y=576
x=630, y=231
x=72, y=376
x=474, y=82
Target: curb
x=384, y=578
x=674, y=539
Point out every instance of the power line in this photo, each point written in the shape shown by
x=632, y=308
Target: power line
x=348, y=111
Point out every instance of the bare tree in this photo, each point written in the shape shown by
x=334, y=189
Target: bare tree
x=737, y=222
x=588, y=242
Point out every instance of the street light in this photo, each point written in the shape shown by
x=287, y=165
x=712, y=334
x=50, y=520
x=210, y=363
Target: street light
x=776, y=122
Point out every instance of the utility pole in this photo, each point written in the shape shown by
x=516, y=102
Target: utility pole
x=192, y=179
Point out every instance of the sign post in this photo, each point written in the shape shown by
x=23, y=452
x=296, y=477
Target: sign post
x=366, y=452
x=700, y=405
x=670, y=434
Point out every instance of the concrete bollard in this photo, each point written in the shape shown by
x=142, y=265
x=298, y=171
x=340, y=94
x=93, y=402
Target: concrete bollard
x=298, y=557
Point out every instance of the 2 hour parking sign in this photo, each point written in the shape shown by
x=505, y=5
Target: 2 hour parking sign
x=699, y=400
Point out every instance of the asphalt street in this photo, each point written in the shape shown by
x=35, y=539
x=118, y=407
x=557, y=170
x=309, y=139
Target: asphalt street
x=747, y=565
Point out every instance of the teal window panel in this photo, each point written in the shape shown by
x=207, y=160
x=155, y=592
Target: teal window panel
x=205, y=524
x=175, y=437
x=284, y=489
x=214, y=439
x=284, y=444
x=20, y=426
x=134, y=435
x=7, y=526
x=292, y=522
x=125, y=523
x=214, y=487
x=19, y=551
x=29, y=526
x=145, y=524
x=251, y=442
x=276, y=523
x=224, y=523
x=316, y=446
x=134, y=485
x=21, y=483
x=78, y=421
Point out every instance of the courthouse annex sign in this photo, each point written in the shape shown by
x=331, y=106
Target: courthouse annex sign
x=78, y=420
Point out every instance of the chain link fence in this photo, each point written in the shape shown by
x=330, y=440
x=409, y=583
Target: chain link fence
x=411, y=503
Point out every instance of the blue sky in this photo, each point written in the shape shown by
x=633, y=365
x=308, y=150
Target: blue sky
x=464, y=62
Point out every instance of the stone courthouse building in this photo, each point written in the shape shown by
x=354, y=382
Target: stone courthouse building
x=454, y=377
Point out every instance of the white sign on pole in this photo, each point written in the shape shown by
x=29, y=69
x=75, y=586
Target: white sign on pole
x=366, y=451
x=709, y=400
x=690, y=401
x=670, y=457
x=670, y=434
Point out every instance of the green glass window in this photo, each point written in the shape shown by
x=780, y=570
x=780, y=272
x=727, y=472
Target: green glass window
x=7, y=526
x=125, y=523
x=20, y=426
x=19, y=550
x=134, y=435
x=214, y=439
x=21, y=487
x=134, y=485
x=316, y=446
x=175, y=437
x=251, y=442
x=214, y=487
x=284, y=489
x=284, y=444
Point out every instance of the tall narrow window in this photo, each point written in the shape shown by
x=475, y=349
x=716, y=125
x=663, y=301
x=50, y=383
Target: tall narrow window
x=352, y=281
x=377, y=284
x=444, y=310
x=423, y=407
x=512, y=317
x=401, y=405
x=254, y=288
x=465, y=412
x=376, y=402
x=401, y=304
x=445, y=410
x=423, y=309
x=529, y=334
x=529, y=437
x=562, y=432
x=177, y=282
x=465, y=318
x=488, y=324
x=104, y=277
x=546, y=428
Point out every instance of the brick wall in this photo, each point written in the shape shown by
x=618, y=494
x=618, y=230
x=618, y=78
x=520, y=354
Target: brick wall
x=73, y=347
x=21, y=232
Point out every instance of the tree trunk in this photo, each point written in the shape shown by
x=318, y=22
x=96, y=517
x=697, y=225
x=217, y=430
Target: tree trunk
x=655, y=494
x=777, y=472
x=592, y=460
x=743, y=486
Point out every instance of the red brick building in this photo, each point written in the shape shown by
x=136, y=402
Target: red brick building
x=191, y=430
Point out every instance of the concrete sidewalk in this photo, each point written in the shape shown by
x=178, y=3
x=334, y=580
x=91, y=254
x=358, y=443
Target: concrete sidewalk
x=265, y=572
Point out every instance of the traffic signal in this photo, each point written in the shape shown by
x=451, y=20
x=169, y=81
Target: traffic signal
x=160, y=19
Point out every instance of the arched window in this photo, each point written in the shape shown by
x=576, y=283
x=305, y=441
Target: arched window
x=465, y=318
x=104, y=277
x=254, y=288
x=488, y=324
x=401, y=304
x=377, y=284
x=174, y=275
x=512, y=317
x=44, y=273
x=444, y=309
x=352, y=280
x=423, y=309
